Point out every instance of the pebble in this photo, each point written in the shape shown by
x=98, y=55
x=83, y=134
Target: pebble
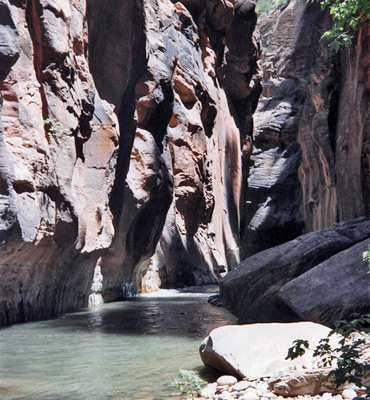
x=226, y=380
x=228, y=388
x=270, y=395
x=209, y=390
x=226, y=396
x=349, y=394
x=249, y=395
x=242, y=385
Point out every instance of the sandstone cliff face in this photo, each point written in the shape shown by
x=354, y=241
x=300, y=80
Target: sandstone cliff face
x=310, y=161
x=335, y=126
x=138, y=168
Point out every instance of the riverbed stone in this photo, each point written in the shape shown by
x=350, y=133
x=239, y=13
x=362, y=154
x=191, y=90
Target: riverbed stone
x=258, y=350
x=209, y=390
x=250, y=395
x=226, y=396
x=242, y=385
x=226, y=380
x=349, y=394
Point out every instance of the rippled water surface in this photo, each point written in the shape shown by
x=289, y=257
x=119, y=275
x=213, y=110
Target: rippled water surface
x=126, y=350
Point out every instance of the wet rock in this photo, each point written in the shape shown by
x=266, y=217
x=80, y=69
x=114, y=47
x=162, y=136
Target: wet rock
x=215, y=300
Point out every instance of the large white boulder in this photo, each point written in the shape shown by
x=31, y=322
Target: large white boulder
x=259, y=350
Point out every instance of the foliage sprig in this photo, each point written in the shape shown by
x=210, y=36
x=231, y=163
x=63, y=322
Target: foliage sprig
x=349, y=366
x=188, y=383
x=56, y=129
x=348, y=17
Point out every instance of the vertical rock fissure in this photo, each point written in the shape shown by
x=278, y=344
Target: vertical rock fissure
x=33, y=12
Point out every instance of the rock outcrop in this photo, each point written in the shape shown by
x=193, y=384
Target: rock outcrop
x=120, y=147
x=319, y=277
x=310, y=160
x=335, y=124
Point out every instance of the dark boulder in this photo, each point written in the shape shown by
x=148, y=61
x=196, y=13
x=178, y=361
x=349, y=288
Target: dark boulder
x=253, y=290
x=333, y=289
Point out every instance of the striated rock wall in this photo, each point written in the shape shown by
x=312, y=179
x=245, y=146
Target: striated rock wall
x=121, y=126
x=310, y=159
x=334, y=136
x=290, y=37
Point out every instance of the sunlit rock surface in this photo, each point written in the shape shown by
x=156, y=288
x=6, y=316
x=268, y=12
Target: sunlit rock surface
x=259, y=350
x=140, y=163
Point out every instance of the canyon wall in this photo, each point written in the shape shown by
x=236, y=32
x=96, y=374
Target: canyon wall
x=310, y=160
x=334, y=137
x=124, y=131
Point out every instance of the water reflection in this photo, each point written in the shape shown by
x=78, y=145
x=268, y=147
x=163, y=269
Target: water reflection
x=193, y=318
x=128, y=350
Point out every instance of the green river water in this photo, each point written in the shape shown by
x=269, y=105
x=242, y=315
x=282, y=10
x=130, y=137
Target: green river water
x=125, y=350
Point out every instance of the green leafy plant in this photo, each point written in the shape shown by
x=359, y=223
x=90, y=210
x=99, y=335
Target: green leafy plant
x=298, y=349
x=56, y=129
x=348, y=16
x=188, y=383
x=366, y=256
x=349, y=366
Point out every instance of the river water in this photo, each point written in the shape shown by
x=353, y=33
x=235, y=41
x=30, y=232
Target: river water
x=125, y=350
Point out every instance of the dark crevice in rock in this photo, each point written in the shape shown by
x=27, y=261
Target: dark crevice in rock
x=33, y=12
x=83, y=132
x=334, y=102
x=146, y=228
x=126, y=140
x=160, y=117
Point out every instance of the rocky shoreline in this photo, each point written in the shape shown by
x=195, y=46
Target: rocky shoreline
x=257, y=355
x=228, y=387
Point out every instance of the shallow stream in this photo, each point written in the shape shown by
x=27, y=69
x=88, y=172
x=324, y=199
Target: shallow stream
x=125, y=350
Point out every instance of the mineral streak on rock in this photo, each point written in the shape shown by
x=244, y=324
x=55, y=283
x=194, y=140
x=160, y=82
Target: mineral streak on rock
x=139, y=164
x=310, y=160
x=336, y=128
